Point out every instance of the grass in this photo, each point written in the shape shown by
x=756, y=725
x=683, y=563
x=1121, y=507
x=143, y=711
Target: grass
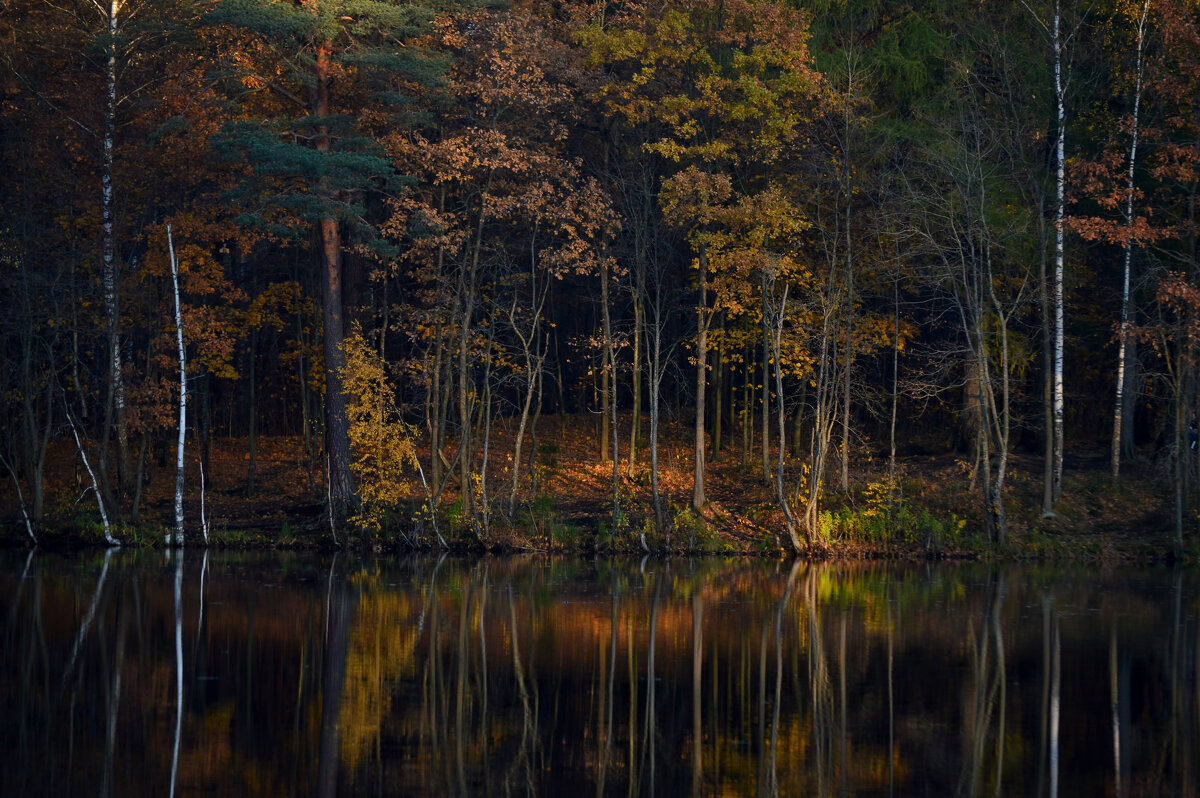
x=566, y=504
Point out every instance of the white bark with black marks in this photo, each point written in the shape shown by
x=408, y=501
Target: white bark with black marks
x=179, y=451
x=1123, y=336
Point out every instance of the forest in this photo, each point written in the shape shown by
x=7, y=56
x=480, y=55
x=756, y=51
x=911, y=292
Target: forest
x=775, y=276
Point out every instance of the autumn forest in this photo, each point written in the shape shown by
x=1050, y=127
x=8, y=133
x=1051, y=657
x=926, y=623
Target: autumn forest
x=651, y=274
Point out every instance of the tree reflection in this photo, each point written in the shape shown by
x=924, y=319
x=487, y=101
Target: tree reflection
x=553, y=677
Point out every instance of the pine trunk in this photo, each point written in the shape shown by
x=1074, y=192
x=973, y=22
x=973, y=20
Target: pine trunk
x=337, y=427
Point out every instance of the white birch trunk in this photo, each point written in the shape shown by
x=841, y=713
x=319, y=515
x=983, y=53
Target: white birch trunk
x=20, y=499
x=203, y=513
x=108, y=538
x=1059, y=212
x=1123, y=337
x=182, y=397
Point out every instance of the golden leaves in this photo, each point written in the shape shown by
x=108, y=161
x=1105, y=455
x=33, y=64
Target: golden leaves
x=383, y=446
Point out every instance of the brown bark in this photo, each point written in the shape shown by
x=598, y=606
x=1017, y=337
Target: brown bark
x=337, y=429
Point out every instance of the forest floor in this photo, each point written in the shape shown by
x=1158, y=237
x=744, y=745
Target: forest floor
x=930, y=510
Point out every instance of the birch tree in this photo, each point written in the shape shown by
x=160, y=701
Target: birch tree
x=1123, y=337
x=183, y=397
x=105, y=58
x=1059, y=38
x=1114, y=192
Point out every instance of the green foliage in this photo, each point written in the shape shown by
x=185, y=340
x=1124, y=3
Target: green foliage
x=456, y=518
x=688, y=522
x=548, y=454
x=315, y=157
x=541, y=516
x=880, y=518
x=234, y=536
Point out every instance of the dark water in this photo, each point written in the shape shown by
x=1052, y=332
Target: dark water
x=136, y=674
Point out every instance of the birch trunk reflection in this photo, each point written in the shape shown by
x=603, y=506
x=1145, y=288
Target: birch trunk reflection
x=114, y=702
x=178, y=666
x=703, y=679
x=86, y=626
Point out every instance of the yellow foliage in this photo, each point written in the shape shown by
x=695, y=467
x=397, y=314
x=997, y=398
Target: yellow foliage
x=382, y=444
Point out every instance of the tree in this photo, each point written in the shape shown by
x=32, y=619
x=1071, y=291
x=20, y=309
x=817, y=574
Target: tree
x=731, y=86
x=323, y=67
x=1053, y=27
x=383, y=445
x=1110, y=182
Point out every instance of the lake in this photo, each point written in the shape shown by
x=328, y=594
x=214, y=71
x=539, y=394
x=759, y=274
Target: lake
x=144, y=673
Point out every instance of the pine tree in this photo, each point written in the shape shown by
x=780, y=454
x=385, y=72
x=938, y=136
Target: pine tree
x=316, y=71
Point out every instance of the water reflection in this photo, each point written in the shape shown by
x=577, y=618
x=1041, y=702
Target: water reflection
x=125, y=673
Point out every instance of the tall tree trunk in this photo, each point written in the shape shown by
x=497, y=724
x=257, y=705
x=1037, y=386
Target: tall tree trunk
x=1123, y=336
x=698, y=499
x=895, y=397
x=605, y=394
x=1047, y=381
x=252, y=419
x=116, y=381
x=1001, y=416
x=183, y=397
x=610, y=396
x=823, y=419
x=656, y=375
x=766, y=395
x=306, y=415
x=848, y=359
x=337, y=427
x=467, y=293
x=435, y=418
x=635, y=422
x=718, y=393
x=534, y=360
x=778, y=314
x=747, y=405
x=1059, y=214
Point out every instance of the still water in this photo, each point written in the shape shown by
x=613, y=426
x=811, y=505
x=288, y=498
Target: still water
x=213, y=674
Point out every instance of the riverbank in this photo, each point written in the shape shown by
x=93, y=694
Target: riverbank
x=564, y=502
